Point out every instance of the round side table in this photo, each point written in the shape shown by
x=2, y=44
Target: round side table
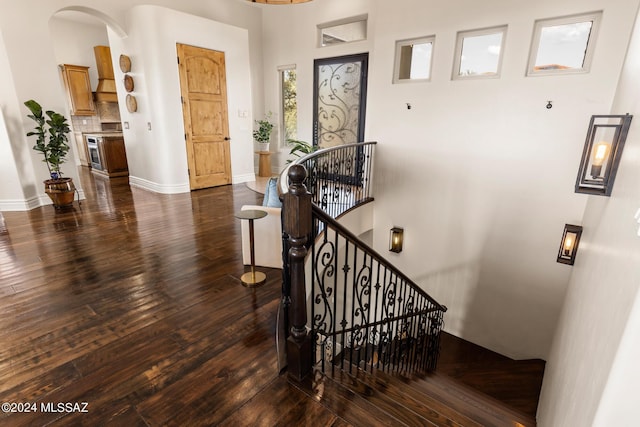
x=253, y=278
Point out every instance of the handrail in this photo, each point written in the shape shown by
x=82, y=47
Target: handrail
x=360, y=305
x=382, y=322
x=356, y=241
x=317, y=153
x=364, y=309
x=283, y=180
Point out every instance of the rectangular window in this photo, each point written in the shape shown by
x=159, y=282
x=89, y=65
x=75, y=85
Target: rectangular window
x=413, y=59
x=563, y=45
x=288, y=104
x=343, y=31
x=479, y=53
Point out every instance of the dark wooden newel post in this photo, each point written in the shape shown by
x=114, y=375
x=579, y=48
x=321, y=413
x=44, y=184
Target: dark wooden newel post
x=297, y=224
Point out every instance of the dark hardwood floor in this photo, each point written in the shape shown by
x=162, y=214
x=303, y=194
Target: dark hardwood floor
x=131, y=303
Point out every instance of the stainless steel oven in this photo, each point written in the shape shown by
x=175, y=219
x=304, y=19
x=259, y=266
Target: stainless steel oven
x=94, y=152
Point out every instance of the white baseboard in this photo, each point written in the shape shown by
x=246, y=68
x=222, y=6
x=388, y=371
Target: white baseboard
x=18, y=205
x=158, y=188
x=247, y=177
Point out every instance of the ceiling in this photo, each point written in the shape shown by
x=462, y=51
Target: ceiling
x=279, y=1
x=81, y=17
x=85, y=18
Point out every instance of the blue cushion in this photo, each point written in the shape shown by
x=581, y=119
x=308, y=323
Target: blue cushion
x=271, y=194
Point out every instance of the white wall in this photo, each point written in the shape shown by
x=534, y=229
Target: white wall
x=29, y=60
x=479, y=173
x=11, y=192
x=69, y=48
x=592, y=377
x=619, y=404
x=157, y=157
x=290, y=37
x=26, y=76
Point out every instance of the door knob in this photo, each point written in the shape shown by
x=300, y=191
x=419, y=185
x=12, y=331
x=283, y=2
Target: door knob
x=226, y=138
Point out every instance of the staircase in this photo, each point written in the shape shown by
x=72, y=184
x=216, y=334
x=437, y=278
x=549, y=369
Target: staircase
x=471, y=386
x=361, y=337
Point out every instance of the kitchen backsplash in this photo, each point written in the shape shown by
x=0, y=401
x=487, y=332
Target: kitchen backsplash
x=86, y=123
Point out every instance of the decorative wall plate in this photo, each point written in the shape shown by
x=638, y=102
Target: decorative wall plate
x=125, y=63
x=132, y=104
x=128, y=83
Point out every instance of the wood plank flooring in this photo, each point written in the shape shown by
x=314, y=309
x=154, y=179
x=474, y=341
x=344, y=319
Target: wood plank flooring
x=131, y=303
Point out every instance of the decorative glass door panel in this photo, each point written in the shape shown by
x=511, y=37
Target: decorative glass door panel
x=340, y=99
x=340, y=86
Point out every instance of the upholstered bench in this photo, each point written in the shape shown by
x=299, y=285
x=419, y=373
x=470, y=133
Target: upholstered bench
x=267, y=231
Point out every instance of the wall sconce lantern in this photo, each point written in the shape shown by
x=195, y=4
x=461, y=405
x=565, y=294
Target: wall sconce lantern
x=601, y=154
x=395, y=239
x=569, y=244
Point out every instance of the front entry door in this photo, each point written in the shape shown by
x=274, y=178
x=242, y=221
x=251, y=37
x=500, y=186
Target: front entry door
x=203, y=88
x=339, y=100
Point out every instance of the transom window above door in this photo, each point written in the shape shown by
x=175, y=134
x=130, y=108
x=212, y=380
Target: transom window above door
x=343, y=31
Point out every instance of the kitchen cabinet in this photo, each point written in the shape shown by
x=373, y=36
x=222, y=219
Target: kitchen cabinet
x=81, y=148
x=111, y=159
x=114, y=156
x=78, y=86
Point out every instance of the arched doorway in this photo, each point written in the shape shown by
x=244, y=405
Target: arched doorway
x=80, y=38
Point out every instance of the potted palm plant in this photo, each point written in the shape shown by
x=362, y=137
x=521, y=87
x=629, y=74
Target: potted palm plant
x=52, y=137
x=300, y=148
x=262, y=135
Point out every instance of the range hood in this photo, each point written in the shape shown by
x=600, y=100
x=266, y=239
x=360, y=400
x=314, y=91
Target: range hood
x=106, y=97
x=106, y=90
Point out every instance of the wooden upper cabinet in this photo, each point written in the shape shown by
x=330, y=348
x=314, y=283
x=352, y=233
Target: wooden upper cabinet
x=76, y=80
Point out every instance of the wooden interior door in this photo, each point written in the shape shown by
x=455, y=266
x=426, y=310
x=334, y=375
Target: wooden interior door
x=203, y=88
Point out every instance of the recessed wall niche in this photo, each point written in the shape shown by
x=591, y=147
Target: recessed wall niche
x=413, y=59
x=479, y=53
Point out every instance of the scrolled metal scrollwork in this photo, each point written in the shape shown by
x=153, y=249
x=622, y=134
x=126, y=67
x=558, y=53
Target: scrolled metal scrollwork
x=374, y=316
x=362, y=291
x=325, y=270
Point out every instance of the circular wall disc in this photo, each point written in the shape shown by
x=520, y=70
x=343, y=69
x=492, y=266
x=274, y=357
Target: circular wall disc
x=125, y=63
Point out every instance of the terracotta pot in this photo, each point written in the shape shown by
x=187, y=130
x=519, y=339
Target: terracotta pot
x=61, y=191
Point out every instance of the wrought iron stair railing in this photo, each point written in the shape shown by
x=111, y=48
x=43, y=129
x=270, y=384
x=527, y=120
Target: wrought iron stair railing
x=338, y=178
x=365, y=312
x=362, y=310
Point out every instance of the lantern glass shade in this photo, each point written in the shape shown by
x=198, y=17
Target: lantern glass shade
x=601, y=155
x=395, y=239
x=569, y=244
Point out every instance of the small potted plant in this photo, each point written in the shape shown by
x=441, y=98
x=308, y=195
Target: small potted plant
x=300, y=148
x=52, y=133
x=263, y=134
